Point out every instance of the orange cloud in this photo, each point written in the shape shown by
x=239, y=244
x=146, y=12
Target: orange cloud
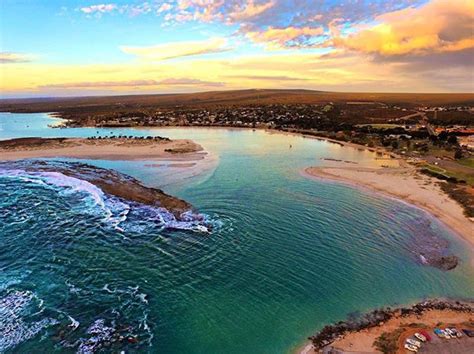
x=282, y=37
x=178, y=49
x=439, y=26
x=133, y=83
x=249, y=10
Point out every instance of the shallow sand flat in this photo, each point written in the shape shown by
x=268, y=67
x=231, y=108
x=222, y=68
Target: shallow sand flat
x=406, y=184
x=107, y=149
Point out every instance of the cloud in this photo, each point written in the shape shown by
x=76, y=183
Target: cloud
x=285, y=37
x=348, y=72
x=99, y=8
x=11, y=58
x=436, y=27
x=164, y=7
x=132, y=83
x=249, y=10
x=267, y=77
x=178, y=49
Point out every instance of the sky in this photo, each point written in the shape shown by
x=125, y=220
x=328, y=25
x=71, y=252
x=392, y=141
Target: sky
x=80, y=48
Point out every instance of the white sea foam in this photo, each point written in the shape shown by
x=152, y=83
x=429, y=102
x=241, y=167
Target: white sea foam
x=74, y=323
x=99, y=333
x=115, y=211
x=14, y=326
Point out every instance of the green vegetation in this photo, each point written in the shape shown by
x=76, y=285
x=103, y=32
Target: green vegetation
x=469, y=162
x=450, y=176
x=460, y=194
x=387, y=342
x=380, y=126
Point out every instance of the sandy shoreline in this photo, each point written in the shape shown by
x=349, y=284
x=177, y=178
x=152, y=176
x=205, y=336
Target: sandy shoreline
x=362, y=341
x=107, y=149
x=406, y=184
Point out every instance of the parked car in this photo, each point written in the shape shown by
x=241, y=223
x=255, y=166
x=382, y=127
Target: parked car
x=413, y=342
x=420, y=337
x=411, y=348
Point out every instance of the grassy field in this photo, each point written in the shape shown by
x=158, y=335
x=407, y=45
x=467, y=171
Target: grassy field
x=469, y=162
x=380, y=126
x=460, y=176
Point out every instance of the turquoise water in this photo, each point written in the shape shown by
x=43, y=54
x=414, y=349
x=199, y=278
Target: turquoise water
x=289, y=254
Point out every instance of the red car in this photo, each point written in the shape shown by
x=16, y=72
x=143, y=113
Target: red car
x=425, y=333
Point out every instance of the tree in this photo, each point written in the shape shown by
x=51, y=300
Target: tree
x=458, y=154
x=443, y=135
x=395, y=144
x=453, y=139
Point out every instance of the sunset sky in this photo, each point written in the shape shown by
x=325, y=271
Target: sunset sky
x=69, y=48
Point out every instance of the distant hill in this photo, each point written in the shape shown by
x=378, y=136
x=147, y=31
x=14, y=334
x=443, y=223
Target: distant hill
x=224, y=98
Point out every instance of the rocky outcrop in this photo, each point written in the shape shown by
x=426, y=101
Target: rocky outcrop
x=110, y=181
x=445, y=262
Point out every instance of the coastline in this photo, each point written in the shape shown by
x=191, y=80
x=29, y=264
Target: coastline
x=107, y=149
x=406, y=185
x=358, y=335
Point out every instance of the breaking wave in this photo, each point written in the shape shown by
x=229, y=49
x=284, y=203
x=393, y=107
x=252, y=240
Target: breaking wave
x=113, y=211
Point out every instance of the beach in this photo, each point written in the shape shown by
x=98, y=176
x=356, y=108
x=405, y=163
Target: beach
x=406, y=184
x=106, y=149
x=362, y=341
x=405, y=322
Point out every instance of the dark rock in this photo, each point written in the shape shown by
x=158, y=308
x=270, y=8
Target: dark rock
x=445, y=262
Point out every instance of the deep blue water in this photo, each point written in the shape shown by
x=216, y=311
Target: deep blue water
x=287, y=256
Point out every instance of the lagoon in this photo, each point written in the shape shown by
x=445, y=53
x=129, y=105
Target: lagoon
x=288, y=254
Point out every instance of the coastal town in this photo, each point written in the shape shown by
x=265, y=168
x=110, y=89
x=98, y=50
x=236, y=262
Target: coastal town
x=434, y=133
x=437, y=138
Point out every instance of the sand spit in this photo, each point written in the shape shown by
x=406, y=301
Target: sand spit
x=107, y=149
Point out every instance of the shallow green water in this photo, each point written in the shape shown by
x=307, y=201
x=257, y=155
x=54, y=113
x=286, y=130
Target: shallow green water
x=290, y=254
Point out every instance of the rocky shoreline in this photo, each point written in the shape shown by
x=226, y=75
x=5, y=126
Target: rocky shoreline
x=109, y=181
x=378, y=317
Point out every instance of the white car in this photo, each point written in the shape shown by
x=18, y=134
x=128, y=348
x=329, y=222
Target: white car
x=420, y=336
x=413, y=342
x=411, y=348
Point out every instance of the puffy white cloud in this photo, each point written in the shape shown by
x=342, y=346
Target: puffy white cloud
x=99, y=8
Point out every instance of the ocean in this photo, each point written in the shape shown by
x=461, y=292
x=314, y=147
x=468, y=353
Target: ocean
x=82, y=272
